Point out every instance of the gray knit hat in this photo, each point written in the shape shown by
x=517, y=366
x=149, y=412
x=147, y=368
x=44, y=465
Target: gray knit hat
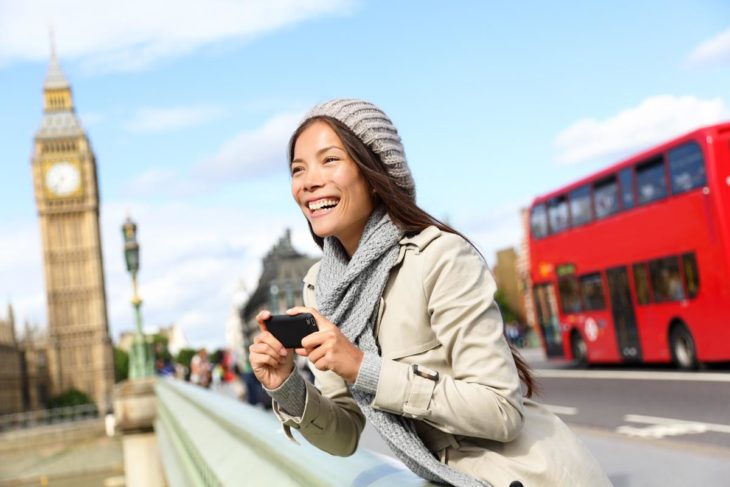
x=374, y=128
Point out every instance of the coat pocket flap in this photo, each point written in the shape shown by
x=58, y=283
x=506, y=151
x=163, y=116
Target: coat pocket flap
x=413, y=349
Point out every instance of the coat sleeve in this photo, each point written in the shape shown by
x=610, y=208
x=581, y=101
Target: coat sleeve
x=481, y=397
x=332, y=420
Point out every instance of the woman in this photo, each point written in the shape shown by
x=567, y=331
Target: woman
x=409, y=333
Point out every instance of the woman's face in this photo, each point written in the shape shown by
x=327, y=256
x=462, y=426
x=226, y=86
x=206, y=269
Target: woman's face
x=329, y=187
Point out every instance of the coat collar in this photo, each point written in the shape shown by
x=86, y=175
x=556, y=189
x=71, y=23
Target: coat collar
x=416, y=242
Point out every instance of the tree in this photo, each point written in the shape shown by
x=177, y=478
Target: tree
x=508, y=315
x=121, y=364
x=185, y=355
x=71, y=397
x=159, y=345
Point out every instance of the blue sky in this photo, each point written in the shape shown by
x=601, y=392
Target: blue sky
x=189, y=105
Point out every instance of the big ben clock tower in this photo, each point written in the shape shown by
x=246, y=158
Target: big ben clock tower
x=67, y=197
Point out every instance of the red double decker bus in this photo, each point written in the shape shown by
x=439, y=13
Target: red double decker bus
x=632, y=264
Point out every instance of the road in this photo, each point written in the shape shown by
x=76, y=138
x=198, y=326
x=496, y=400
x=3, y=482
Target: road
x=646, y=426
x=666, y=404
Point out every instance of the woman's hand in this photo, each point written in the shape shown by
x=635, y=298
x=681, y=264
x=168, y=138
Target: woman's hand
x=270, y=361
x=328, y=348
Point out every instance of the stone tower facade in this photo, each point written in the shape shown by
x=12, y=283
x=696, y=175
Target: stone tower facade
x=11, y=399
x=67, y=198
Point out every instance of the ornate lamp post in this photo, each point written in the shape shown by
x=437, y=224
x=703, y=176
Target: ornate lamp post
x=141, y=364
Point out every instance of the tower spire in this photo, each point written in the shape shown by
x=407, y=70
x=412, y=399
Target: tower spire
x=55, y=79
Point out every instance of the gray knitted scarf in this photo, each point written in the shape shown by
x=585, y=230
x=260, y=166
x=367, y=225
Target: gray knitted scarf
x=348, y=291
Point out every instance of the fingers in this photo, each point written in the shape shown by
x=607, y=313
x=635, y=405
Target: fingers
x=316, y=339
x=296, y=310
x=260, y=358
x=270, y=340
x=318, y=353
x=261, y=318
x=263, y=350
x=302, y=351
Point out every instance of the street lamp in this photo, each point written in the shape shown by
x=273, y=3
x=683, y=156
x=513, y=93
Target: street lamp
x=141, y=364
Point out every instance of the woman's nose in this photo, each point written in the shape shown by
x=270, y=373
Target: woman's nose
x=312, y=179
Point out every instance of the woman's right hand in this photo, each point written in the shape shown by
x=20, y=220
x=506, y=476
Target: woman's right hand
x=270, y=361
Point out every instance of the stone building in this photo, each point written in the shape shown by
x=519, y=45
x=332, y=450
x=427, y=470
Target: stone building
x=11, y=385
x=33, y=349
x=280, y=285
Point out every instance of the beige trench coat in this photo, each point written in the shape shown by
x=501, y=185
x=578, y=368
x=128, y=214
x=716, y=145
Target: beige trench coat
x=438, y=311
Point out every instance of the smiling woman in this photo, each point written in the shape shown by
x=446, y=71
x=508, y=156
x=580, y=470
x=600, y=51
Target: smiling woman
x=409, y=334
x=328, y=186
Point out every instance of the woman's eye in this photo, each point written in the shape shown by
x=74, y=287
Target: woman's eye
x=330, y=159
x=296, y=170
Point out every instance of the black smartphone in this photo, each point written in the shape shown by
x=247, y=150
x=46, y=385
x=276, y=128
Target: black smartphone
x=290, y=330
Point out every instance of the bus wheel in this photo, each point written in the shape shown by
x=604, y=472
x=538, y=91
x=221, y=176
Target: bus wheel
x=579, y=349
x=684, y=353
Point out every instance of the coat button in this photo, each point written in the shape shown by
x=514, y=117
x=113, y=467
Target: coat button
x=516, y=483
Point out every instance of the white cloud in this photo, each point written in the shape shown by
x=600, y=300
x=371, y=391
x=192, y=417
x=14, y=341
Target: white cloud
x=653, y=120
x=715, y=50
x=254, y=152
x=250, y=153
x=155, y=120
x=112, y=36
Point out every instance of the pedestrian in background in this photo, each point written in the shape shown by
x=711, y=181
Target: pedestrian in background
x=200, y=368
x=410, y=336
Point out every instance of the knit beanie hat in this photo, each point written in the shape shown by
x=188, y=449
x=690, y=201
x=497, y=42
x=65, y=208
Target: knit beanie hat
x=373, y=127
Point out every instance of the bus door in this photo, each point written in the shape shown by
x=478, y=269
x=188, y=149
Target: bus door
x=547, y=318
x=624, y=318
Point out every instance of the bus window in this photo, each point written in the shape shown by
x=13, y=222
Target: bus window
x=605, y=197
x=686, y=168
x=691, y=275
x=569, y=294
x=666, y=281
x=641, y=279
x=538, y=222
x=651, y=180
x=591, y=288
x=558, y=214
x=580, y=206
x=626, y=177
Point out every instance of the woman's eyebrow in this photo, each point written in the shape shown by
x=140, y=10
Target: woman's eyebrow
x=319, y=152
x=325, y=149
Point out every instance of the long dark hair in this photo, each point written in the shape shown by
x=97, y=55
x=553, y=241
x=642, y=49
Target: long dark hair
x=403, y=210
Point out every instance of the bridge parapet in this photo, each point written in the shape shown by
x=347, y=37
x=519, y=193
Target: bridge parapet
x=209, y=439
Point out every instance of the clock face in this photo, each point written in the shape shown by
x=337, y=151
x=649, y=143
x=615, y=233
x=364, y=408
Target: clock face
x=63, y=178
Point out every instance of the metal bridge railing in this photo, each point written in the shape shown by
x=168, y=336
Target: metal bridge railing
x=41, y=417
x=212, y=440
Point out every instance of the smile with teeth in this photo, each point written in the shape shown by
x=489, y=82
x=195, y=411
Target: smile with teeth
x=321, y=206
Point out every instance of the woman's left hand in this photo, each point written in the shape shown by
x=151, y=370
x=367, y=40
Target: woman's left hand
x=328, y=348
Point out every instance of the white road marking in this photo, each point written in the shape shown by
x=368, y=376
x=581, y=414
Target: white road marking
x=631, y=375
x=662, y=430
x=637, y=418
x=564, y=410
